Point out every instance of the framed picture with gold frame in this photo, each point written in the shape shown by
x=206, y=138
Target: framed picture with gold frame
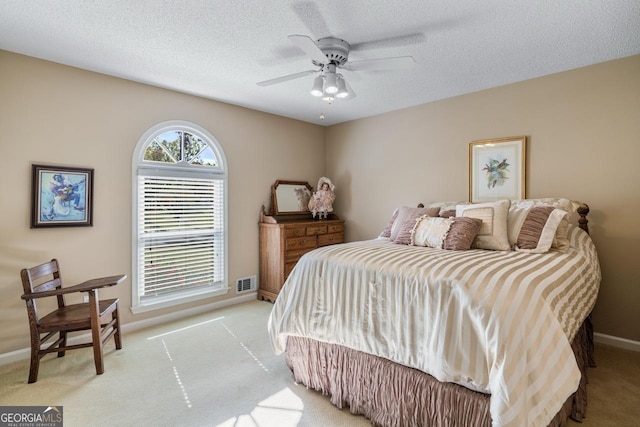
x=497, y=169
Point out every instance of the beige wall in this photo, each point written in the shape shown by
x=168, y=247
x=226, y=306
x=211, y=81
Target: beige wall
x=583, y=128
x=584, y=143
x=59, y=115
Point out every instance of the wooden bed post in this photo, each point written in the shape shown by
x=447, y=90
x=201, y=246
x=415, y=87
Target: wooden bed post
x=583, y=222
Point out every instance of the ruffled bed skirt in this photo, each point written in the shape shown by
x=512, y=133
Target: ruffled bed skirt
x=392, y=395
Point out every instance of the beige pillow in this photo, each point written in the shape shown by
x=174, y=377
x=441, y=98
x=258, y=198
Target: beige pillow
x=430, y=231
x=493, y=232
x=538, y=228
x=556, y=202
x=454, y=234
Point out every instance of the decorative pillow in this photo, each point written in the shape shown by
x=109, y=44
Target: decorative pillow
x=534, y=229
x=561, y=240
x=431, y=211
x=454, y=234
x=560, y=203
x=405, y=222
x=462, y=233
x=493, y=232
x=444, y=206
x=447, y=213
x=387, y=230
x=430, y=231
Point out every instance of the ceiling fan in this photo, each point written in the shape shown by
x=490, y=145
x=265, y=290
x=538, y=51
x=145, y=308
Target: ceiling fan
x=329, y=55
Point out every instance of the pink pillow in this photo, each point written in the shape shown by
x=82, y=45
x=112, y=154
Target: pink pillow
x=461, y=234
x=387, y=230
x=407, y=217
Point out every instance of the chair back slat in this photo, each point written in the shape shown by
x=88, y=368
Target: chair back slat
x=42, y=278
x=41, y=270
x=49, y=285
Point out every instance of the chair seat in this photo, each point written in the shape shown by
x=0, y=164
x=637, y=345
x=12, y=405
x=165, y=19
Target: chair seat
x=74, y=317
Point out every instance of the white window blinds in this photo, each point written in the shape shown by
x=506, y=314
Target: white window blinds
x=180, y=235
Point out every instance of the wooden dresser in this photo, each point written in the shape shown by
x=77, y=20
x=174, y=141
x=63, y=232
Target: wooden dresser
x=284, y=241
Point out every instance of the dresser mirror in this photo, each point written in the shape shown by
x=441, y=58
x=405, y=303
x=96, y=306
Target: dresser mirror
x=290, y=197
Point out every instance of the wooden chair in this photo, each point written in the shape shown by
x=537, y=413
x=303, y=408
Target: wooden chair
x=100, y=317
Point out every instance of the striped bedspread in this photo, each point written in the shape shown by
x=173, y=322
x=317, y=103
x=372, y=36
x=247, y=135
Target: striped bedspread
x=496, y=322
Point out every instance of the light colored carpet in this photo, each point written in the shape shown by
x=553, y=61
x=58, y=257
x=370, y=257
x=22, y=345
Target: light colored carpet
x=218, y=369
x=214, y=369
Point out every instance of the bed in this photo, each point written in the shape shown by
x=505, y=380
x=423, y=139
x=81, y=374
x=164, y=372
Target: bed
x=410, y=334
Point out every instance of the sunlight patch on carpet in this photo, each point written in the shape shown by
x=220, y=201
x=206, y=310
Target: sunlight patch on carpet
x=177, y=375
x=281, y=409
x=185, y=328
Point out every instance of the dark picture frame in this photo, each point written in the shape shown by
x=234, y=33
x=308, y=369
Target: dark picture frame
x=61, y=196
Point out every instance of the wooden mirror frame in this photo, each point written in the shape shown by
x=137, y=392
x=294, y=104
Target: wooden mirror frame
x=284, y=200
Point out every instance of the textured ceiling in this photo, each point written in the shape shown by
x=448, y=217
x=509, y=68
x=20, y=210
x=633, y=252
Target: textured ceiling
x=220, y=49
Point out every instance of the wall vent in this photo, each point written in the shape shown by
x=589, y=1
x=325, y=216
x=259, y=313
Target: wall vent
x=246, y=284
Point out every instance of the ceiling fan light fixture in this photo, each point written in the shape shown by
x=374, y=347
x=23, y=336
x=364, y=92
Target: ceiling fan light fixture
x=316, y=90
x=342, y=92
x=330, y=83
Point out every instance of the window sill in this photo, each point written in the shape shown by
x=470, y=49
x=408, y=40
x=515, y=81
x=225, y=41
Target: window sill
x=160, y=303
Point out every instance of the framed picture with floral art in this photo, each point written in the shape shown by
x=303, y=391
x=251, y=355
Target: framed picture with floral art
x=61, y=196
x=497, y=169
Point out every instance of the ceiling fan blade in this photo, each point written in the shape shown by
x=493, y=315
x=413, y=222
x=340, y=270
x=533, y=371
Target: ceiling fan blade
x=309, y=47
x=397, y=63
x=310, y=15
x=402, y=40
x=286, y=78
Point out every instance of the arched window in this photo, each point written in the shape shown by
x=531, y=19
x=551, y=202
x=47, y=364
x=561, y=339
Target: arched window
x=179, y=216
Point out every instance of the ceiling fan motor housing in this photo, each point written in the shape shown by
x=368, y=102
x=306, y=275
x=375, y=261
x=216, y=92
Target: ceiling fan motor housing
x=336, y=50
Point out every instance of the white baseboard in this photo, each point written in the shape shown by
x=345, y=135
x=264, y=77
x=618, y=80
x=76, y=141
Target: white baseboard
x=25, y=353
x=616, y=341
x=14, y=356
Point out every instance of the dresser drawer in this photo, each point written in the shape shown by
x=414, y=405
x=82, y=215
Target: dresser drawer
x=335, y=228
x=294, y=255
x=295, y=231
x=313, y=230
x=300, y=243
x=330, y=239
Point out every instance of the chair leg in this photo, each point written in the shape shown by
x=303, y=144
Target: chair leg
x=97, y=350
x=116, y=336
x=63, y=343
x=35, y=360
x=96, y=332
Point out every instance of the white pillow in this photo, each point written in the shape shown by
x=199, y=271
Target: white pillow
x=430, y=231
x=493, y=232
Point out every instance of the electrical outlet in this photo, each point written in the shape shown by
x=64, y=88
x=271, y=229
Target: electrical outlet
x=85, y=298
